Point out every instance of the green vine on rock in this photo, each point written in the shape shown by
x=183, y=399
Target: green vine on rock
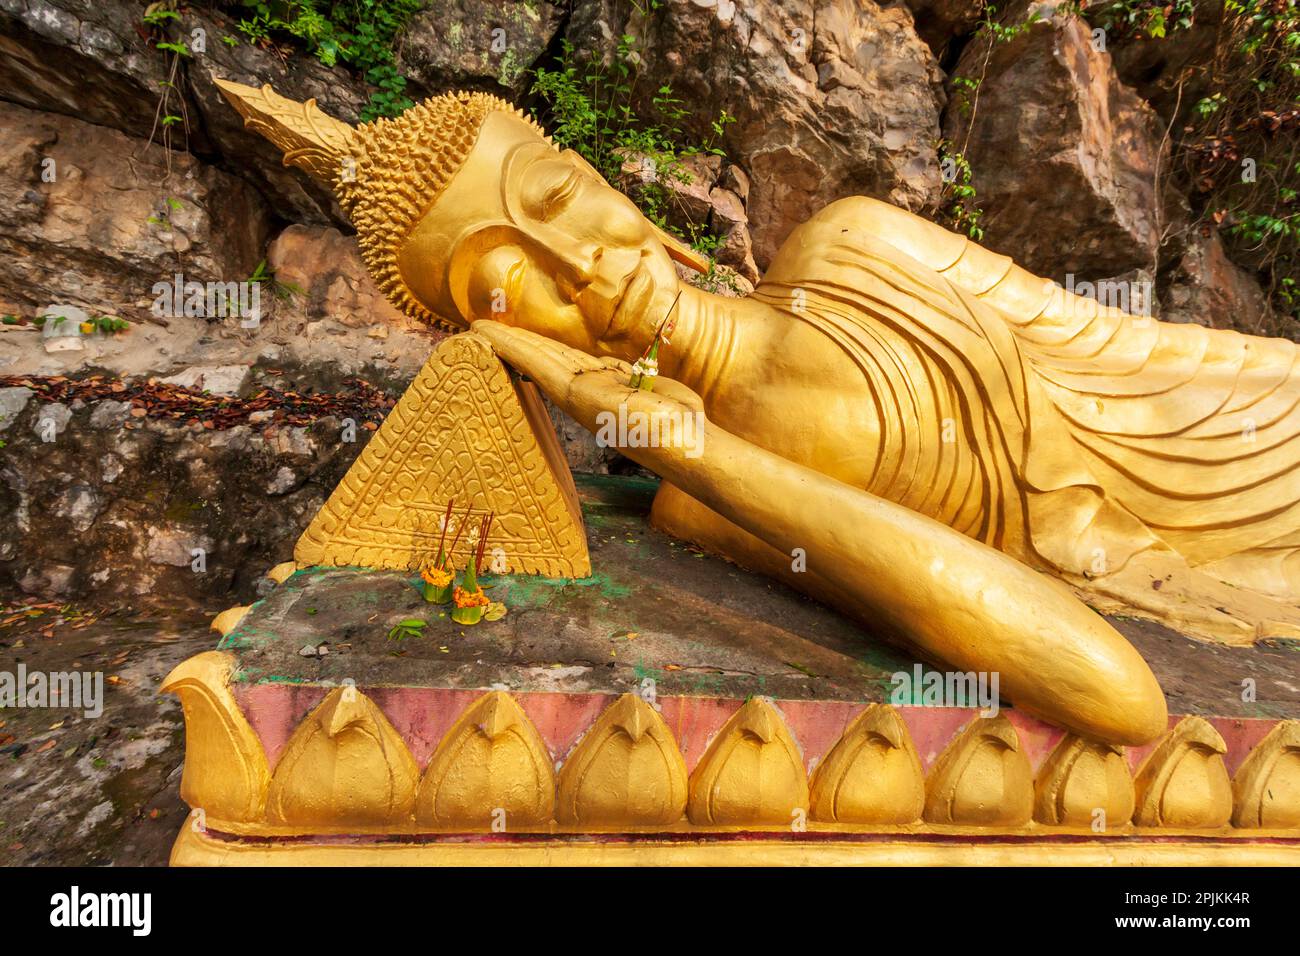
x=157, y=18
x=959, y=207
x=358, y=33
x=959, y=203
x=1240, y=145
x=1145, y=19
x=591, y=108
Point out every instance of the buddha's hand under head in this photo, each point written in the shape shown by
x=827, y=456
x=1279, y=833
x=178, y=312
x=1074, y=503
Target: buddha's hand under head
x=596, y=390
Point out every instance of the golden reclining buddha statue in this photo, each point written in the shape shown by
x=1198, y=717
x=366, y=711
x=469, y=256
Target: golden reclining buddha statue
x=964, y=453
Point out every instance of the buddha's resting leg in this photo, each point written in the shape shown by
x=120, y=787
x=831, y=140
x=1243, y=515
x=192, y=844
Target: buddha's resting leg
x=676, y=513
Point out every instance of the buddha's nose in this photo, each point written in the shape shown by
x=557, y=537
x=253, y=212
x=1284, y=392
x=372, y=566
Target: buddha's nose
x=582, y=266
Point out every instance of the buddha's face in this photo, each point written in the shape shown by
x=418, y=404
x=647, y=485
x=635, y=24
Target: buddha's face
x=533, y=237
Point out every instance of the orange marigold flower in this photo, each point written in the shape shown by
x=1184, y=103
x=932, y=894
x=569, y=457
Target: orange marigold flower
x=464, y=598
x=436, y=576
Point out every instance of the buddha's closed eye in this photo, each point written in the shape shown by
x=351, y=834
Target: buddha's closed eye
x=547, y=188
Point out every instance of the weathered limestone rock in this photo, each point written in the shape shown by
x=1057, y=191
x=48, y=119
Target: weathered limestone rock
x=831, y=97
x=80, y=505
x=1155, y=67
x=326, y=266
x=291, y=194
x=51, y=421
x=82, y=58
x=12, y=403
x=93, y=61
x=85, y=239
x=136, y=497
x=480, y=43
x=1207, y=288
x=1064, y=155
x=214, y=379
x=91, y=217
x=701, y=199
x=939, y=22
x=62, y=329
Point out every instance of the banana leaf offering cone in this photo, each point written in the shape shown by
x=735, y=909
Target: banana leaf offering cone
x=645, y=369
x=469, y=600
x=440, y=577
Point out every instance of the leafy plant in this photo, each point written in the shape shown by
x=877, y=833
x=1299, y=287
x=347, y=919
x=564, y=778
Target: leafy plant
x=359, y=33
x=1238, y=144
x=963, y=91
x=158, y=15
x=281, y=290
x=410, y=627
x=157, y=18
x=109, y=324
x=1147, y=19
x=163, y=217
x=1000, y=32
x=592, y=108
x=959, y=206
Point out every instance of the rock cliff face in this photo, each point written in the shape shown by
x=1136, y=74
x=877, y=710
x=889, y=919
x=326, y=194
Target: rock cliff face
x=93, y=217
x=124, y=454
x=150, y=510
x=1060, y=148
x=831, y=98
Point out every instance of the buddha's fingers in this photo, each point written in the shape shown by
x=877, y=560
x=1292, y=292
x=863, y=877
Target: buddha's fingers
x=586, y=386
x=953, y=598
x=547, y=362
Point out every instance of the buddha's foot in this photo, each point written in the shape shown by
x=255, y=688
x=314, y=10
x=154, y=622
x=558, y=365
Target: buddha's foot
x=1162, y=588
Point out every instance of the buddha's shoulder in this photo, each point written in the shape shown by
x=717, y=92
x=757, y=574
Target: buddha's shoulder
x=871, y=215
x=862, y=222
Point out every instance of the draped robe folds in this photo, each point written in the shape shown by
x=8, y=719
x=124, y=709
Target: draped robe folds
x=1071, y=435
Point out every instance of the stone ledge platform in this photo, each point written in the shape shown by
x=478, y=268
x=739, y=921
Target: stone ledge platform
x=671, y=704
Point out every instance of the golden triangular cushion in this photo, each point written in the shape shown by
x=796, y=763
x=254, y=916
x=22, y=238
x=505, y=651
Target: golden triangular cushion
x=464, y=430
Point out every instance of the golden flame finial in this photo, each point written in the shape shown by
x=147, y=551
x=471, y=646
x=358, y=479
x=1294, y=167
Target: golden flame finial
x=310, y=139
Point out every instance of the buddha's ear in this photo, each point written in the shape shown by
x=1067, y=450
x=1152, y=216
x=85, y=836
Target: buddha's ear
x=677, y=250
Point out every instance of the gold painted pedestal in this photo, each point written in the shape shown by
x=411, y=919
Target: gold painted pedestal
x=283, y=768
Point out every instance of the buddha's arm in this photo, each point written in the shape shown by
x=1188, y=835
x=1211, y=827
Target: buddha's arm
x=948, y=595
